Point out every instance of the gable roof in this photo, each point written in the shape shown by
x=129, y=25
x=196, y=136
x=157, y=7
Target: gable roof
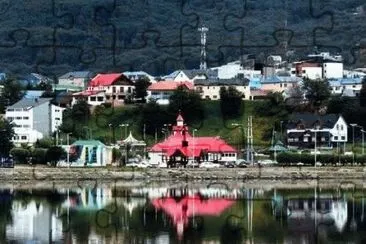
x=309, y=120
x=88, y=143
x=169, y=85
x=77, y=74
x=29, y=102
x=280, y=79
x=191, y=73
x=106, y=79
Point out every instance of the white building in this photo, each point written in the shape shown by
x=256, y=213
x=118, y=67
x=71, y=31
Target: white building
x=35, y=223
x=235, y=69
x=190, y=75
x=33, y=119
x=332, y=70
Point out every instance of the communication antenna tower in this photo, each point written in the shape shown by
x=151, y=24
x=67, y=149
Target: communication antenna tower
x=203, y=30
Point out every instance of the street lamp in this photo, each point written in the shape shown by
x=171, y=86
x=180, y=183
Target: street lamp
x=125, y=126
x=242, y=128
x=315, y=141
x=110, y=127
x=194, y=144
x=353, y=143
x=68, y=148
x=363, y=141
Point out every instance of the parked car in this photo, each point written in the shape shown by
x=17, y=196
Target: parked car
x=209, y=165
x=192, y=164
x=230, y=164
x=267, y=162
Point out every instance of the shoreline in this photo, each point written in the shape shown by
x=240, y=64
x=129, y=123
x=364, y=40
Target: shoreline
x=44, y=173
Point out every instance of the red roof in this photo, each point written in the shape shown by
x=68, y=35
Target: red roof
x=170, y=85
x=105, y=79
x=196, y=145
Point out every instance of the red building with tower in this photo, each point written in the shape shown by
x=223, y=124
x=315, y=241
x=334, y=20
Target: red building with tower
x=180, y=147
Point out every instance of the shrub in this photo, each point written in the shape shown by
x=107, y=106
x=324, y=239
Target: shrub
x=39, y=155
x=20, y=155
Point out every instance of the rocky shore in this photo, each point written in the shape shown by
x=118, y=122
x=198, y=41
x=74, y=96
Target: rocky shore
x=42, y=173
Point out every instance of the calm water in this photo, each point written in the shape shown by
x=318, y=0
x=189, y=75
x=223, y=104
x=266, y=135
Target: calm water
x=209, y=213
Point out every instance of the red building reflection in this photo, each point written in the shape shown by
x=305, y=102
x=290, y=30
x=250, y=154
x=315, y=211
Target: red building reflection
x=190, y=206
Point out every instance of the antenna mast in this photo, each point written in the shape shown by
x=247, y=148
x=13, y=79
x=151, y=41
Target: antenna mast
x=203, y=30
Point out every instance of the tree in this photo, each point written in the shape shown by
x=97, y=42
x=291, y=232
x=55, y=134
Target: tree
x=317, y=92
x=6, y=135
x=363, y=93
x=11, y=93
x=188, y=102
x=295, y=98
x=55, y=154
x=230, y=102
x=153, y=117
x=141, y=86
x=75, y=118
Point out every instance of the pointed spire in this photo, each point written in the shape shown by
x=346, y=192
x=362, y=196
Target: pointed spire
x=180, y=117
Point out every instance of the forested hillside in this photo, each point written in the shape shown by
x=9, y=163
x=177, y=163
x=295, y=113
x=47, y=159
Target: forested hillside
x=56, y=36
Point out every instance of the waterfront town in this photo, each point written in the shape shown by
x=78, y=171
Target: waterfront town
x=36, y=117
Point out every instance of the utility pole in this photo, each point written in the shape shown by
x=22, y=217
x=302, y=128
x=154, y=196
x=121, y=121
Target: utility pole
x=250, y=141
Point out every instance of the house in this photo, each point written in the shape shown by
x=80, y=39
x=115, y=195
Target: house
x=279, y=83
x=190, y=75
x=162, y=90
x=137, y=75
x=349, y=87
x=90, y=153
x=74, y=81
x=180, y=147
x=33, y=119
x=304, y=130
x=320, y=66
x=107, y=88
x=210, y=89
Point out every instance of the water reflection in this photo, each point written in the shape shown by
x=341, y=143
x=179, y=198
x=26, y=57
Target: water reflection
x=213, y=214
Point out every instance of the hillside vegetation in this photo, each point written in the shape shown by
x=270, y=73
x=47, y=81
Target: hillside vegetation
x=161, y=36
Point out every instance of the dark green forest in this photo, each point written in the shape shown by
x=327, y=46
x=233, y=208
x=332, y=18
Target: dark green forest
x=52, y=37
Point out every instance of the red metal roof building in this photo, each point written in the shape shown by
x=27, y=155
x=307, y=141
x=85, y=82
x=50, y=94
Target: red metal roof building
x=180, y=147
x=107, y=88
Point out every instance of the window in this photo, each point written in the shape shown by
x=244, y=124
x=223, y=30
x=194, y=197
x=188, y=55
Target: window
x=93, y=99
x=285, y=85
x=129, y=89
x=215, y=97
x=23, y=137
x=335, y=138
x=26, y=117
x=306, y=139
x=343, y=138
x=341, y=127
x=57, y=119
x=120, y=97
x=121, y=89
x=337, y=127
x=10, y=118
x=100, y=99
x=10, y=109
x=114, y=89
x=26, y=126
x=18, y=117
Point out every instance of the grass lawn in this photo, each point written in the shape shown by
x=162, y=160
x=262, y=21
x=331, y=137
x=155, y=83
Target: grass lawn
x=212, y=125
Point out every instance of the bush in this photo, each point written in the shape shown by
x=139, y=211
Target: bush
x=39, y=155
x=20, y=155
x=325, y=159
